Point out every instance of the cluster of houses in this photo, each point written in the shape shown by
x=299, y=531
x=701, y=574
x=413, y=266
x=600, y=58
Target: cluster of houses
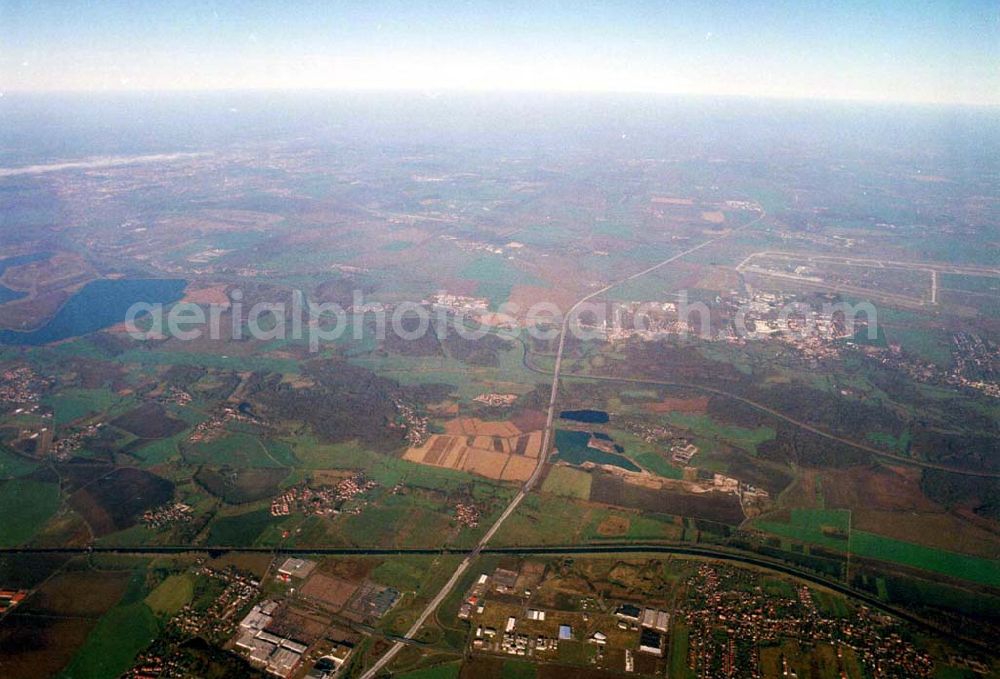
x=22, y=385
x=414, y=424
x=496, y=400
x=211, y=427
x=172, y=512
x=459, y=303
x=722, y=610
x=324, y=501
x=467, y=515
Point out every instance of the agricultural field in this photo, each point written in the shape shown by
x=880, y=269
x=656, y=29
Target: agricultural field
x=25, y=506
x=75, y=617
x=568, y=482
x=832, y=529
x=863, y=459
x=171, y=595
x=495, y=450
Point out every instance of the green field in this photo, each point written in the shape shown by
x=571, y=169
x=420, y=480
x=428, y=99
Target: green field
x=970, y=283
x=396, y=521
x=640, y=527
x=829, y=528
x=568, y=482
x=704, y=425
x=113, y=644
x=900, y=445
x=384, y=469
x=656, y=463
x=25, y=505
x=405, y=573
x=171, y=595
x=161, y=450
x=73, y=404
x=961, y=566
x=518, y=669
x=496, y=278
x=679, y=653
x=833, y=605
x=241, y=450
x=242, y=363
x=240, y=529
x=12, y=465
x=468, y=380
x=447, y=671
x=548, y=519
x=930, y=345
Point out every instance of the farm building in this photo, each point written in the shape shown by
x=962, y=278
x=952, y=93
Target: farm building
x=651, y=641
x=628, y=612
x=655, y=619
x=295, y=568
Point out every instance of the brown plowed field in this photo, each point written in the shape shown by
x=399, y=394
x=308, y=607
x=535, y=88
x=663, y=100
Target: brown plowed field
x=496, y=450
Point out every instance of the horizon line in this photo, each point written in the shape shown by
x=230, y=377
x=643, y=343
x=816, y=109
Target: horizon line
x=433, y=93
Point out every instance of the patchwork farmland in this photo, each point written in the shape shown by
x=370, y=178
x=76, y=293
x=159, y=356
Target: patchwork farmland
x=496, y=450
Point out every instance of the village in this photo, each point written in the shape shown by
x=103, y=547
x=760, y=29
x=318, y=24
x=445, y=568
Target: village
x=412, y=423
x=737, y=628
x=22, y=385
x=168, y=514
x=323, y=500
x=975, y=364
x=215, y=425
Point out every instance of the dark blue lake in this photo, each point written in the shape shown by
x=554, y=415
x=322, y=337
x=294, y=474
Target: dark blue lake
x=98, y=305
x=589, y=416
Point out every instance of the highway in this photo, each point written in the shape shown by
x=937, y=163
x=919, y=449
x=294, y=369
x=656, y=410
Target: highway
x=546, y=441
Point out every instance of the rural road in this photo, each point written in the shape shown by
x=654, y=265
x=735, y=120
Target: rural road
x=543, y=455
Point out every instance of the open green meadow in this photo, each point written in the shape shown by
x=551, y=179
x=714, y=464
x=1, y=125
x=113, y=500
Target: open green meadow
x=831, y=528
x=568, y=482
x=73, y=404
x=25, y=506
x=119, y=636
x=12, y=465
x=679, y=653
x=239, y=529
x=241, y=450
x=496, y=277
x=171, y=595
x=446, y=671
x=705, y=426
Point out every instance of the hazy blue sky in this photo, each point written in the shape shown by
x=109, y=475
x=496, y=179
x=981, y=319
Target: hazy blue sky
x=899, y=50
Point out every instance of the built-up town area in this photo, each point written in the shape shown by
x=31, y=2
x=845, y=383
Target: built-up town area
x=709, y=620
